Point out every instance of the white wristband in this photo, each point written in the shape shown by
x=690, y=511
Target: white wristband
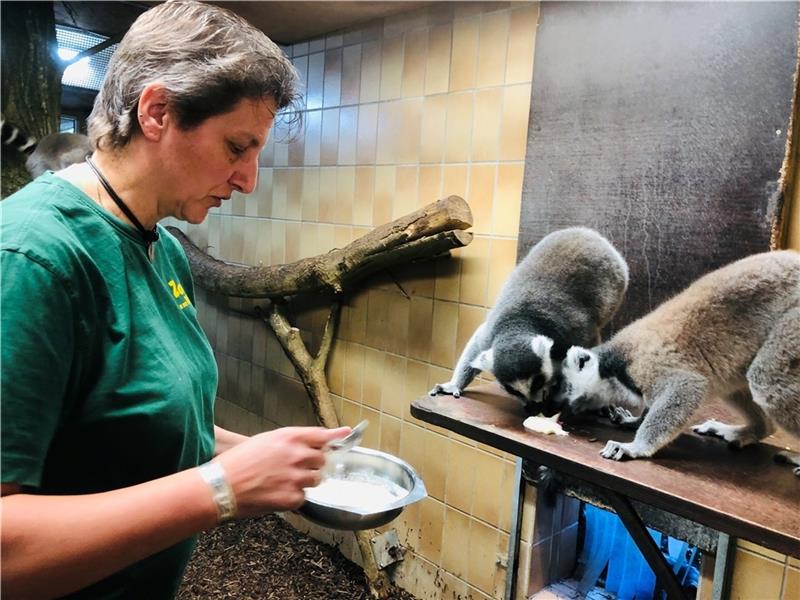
x=214, y=475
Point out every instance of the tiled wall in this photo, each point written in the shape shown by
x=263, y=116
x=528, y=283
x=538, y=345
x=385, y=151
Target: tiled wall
x=759, y=574
x=400, y=113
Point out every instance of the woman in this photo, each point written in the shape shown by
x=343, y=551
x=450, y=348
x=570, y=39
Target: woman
x=108, y=381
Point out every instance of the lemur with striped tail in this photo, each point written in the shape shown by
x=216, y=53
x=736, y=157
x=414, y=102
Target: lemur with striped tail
x=52, y=153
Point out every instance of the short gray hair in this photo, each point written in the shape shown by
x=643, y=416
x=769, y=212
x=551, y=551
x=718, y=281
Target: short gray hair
x=207, y=57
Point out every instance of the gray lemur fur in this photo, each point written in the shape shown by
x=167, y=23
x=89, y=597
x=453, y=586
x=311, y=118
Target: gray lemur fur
x=58, y=151
x=563, y=292
x=734, y=334
x=51, y=153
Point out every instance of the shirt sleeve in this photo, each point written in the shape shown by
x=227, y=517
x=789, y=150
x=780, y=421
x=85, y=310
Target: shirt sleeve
x=37, y=343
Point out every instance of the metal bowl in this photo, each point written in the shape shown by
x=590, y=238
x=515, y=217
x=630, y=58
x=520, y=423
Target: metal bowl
x=376, y=466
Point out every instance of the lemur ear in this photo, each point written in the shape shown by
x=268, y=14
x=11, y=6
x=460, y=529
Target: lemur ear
x=583, y=358
x=541, y=345
x=484, y=361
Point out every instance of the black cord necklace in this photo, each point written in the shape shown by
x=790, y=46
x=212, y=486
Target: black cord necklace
x=150, y=235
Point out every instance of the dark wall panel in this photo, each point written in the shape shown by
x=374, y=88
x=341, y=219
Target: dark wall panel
x=662, y=125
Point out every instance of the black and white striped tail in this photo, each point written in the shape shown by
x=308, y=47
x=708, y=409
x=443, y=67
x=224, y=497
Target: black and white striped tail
x=13, y=136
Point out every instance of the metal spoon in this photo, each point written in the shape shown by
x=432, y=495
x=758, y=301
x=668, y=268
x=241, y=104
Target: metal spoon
x=350, y=440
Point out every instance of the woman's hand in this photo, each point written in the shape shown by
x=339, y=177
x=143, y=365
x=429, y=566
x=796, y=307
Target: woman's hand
x=268, y=471
x=52, y=545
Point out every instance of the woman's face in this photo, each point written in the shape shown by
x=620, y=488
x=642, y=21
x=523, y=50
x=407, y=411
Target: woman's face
x=207, y=163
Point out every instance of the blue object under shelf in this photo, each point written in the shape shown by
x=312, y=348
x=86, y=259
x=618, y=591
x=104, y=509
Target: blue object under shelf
x=608, y=547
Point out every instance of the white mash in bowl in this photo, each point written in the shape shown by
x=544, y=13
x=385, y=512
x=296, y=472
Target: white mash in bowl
x=364, y=491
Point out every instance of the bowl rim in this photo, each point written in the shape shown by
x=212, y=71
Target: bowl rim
x=417, y=491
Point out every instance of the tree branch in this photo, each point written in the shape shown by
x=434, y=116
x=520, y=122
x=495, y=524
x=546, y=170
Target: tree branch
x=432, y=230
x=312, y=377
x=327, y=338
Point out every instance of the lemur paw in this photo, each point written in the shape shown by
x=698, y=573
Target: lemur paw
x=618, y=415
x=618, y=451
x=446, y=388
x=710, y=427
x=606, y=412
x=737, y=436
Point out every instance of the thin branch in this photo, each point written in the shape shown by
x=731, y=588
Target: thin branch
x=289, y=338
x=327, y=336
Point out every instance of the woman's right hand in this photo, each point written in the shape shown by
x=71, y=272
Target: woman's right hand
x=269, y=471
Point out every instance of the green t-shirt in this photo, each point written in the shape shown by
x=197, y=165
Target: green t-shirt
x=107, y=378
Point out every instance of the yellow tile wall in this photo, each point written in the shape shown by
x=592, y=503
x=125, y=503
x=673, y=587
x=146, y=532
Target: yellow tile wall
x=762, y=573
x=399, y=113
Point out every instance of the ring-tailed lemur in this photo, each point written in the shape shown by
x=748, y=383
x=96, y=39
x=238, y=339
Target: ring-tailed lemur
x=733, y=333
x=565, y=290
x=13, y=136
x=52, y=153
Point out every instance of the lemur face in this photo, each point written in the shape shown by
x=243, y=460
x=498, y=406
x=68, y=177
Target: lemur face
x=523, y=367
x=580, y=382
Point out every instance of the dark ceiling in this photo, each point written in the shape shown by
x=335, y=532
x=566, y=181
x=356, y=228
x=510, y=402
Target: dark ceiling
x=283, y=22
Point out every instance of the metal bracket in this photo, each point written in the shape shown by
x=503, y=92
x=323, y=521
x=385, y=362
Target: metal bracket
x=723, y=567
x=512, y=560
x=647, y=546
x=386, y=548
